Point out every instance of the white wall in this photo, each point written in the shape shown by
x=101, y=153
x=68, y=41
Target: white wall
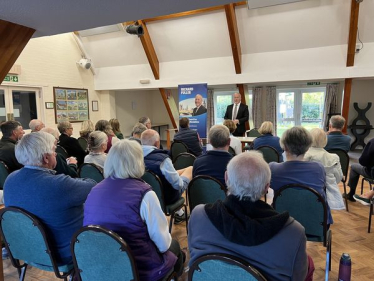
x=362, y=93
x=49, y=62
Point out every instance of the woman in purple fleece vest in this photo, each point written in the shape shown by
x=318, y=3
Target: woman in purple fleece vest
x=122, y=202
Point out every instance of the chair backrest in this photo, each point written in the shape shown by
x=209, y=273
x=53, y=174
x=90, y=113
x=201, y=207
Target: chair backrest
x=26, y=240
x=154, y=181
x=253, y=133
x=4, y=172
x=101, y=254
x=62, y=151
x=177, y=147
x=203, y=190
x=184, y=160
x=306, y=206
x=222, y=267
x=270, y=153
x=91, y=171
x=232, y=151
x=83, y=143
x=344, y=160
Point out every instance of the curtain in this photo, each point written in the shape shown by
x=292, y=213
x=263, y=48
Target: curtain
x=257, y=107
x=331, y=103
x=210, y=115
x=271, y=106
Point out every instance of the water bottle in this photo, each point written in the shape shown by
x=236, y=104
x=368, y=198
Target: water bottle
x=345, y=268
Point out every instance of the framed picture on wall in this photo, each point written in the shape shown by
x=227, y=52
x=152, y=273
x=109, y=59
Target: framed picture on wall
x=71, y=104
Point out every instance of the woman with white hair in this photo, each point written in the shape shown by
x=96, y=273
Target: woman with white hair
x=57, y=200
x=97, y=144
x=125, y=204
x=331, y=163
x=267, y=138
x=104, y=126
x=296, y=142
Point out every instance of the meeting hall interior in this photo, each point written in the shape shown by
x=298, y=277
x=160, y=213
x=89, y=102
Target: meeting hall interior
x=295, y=63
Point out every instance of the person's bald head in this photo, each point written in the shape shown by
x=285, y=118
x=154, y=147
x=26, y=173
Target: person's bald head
x=150, y=137
x=36, y=125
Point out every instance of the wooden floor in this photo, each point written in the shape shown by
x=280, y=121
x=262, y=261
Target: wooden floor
x=349, y=235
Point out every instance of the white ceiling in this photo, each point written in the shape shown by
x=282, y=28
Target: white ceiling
x=50, y=17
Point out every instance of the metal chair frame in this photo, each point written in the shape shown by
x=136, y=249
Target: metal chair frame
x=180, y=143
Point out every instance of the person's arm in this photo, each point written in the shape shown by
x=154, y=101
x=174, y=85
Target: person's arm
x=63, y=168
x=367, y=157
x=300, y=266
x=337, y=171
x=226, y=114
x=172, y=176
x=245, y=115
x=154, y=218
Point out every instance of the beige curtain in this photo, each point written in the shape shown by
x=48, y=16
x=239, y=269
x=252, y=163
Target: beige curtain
x=271, y=105
x=331, y=103
x=257, y=107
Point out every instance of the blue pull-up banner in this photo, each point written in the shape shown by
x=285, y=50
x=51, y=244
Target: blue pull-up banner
x=193, y=105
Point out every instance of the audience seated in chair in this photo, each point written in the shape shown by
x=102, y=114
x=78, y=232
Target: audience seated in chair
x=137, y=131
x=158, y=161
x=64, y=166
x=267, y=138
x=36, y=125
x=335, y=137
x=363, y=168
x=244, y=226
x=87, y=128
x=214, y=162
x=189, y=137
x=235, y=143
x=57, y=200
x=331, y=163
x=128, y=206
x=116, y=128
x=70, y=144
x=296, y=142
x=97, y=144
x=12, y=132
x=104, y=126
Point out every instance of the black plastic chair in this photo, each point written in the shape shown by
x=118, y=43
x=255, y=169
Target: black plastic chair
x=169, y=210
x=344, y=162
x=232, y=151
x=62, y=151
x=4, y=173
x=177, y=147
x=184, y=160
x=270, y=153
x=203, y=190
x=252, y=133
x=101, y=254
x=83, y=143
x=213, y=267
x=26, y=240
x=309, y=208
x=91, y=171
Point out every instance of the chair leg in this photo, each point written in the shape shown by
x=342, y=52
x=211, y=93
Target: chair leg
x=362, y=185
x=23, y=273
x=345, y=196
x=171, y=222
x=370, y=214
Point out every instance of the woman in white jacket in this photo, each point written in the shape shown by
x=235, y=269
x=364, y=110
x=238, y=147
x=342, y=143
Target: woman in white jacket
x=331, y=163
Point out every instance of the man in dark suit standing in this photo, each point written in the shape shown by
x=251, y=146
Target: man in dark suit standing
x=238, y=113
x=199, y=109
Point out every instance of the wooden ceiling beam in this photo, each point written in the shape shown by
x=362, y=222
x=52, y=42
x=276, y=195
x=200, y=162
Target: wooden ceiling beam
x=234, y=37
x=14, y=38
x=166, y=103
x=353, y=26
x=193, y=12
x=150, y=50
x=346, y=101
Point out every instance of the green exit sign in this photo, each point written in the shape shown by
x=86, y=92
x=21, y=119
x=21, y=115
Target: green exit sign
x=11, y=78
x=313, y=83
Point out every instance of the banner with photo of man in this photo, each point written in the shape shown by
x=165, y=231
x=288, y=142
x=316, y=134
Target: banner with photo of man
x=193, y=105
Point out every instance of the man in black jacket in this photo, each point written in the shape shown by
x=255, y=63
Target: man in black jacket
x=237, y=112
x=12, y=132
x=189, y=137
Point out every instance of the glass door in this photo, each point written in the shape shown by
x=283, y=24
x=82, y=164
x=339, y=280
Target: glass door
x=299, y=107
x=20, y=104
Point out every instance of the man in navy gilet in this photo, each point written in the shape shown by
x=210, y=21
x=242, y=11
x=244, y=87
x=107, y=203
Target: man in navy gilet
x=158, y=161
x=335, y=137
x=189, y=137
